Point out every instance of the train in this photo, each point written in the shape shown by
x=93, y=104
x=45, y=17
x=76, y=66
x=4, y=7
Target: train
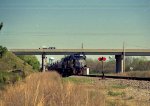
x=74, y=64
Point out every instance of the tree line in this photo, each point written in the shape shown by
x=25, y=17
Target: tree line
x=131, y=64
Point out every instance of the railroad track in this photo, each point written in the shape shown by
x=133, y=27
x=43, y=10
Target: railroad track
x=119, y=77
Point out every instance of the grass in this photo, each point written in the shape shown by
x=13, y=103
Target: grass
x=40, y=89
x=9, y=77
x=131, y=97
x=2, y=86
x=10, y=62
x=12, y=69
x=139, y=73
x=81, y=80
x=136, y=74
x=111, y=103
x=112, y=93
x=129, y=73
x=119, y=86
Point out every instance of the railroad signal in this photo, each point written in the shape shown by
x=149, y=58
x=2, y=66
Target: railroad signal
x=102, y=59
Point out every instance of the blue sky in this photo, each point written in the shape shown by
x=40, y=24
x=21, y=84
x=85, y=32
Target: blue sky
x=68, y=23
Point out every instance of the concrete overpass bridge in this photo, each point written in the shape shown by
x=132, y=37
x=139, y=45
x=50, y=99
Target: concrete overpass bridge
x=119, y=53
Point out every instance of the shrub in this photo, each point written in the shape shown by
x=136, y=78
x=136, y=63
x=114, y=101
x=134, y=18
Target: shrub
x=119, y=86
x=9, y=77
x=111, y=93
x=31, y=60
x=3, y=50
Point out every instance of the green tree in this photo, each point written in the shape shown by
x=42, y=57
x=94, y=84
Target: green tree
x=3, y=50
x=138, y=63
x=31, y=60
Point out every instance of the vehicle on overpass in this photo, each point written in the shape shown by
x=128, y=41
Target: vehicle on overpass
x=52, y=48
x=44, y=47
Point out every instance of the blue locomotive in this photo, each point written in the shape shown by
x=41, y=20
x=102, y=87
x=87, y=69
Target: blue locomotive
x=74, y=64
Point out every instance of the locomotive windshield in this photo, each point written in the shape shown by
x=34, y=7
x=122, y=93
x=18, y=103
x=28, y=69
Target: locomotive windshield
x=80, y=62
x=80, y=57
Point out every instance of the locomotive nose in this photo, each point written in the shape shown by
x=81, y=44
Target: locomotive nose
x=80, y=64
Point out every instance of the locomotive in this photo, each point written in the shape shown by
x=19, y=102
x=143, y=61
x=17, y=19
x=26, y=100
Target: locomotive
x=74, y=64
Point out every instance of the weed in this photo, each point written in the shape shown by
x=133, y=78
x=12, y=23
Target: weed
x=111, y=103
x=119, y=86
x=78, y=80
x=112, y=93
x=129, y=98
x=2, y=86
x=9, y=77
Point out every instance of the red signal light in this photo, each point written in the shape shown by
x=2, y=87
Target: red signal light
x=102, y=59
x=99, y=59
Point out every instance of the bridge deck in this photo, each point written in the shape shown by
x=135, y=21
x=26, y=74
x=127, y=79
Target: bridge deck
x=128, y=52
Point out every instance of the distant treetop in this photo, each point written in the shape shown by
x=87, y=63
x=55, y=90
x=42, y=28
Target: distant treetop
x=1, y=25
x=3, y=50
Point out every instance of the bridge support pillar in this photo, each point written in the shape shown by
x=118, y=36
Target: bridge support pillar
x=43, y=63
x=119, y=63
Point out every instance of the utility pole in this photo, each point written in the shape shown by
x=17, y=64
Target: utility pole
x=82, y=49
x=82, y=45
x=124, y=57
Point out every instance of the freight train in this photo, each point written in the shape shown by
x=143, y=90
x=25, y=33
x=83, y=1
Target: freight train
x=74, y=64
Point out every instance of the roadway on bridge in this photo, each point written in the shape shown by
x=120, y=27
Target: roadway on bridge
x=128, y=52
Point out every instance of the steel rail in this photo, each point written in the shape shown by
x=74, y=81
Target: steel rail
x=120, y=77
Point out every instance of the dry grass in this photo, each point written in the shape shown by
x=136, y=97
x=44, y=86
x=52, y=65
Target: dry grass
x=136, y=74
x=49, y=89
x=42, y=89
